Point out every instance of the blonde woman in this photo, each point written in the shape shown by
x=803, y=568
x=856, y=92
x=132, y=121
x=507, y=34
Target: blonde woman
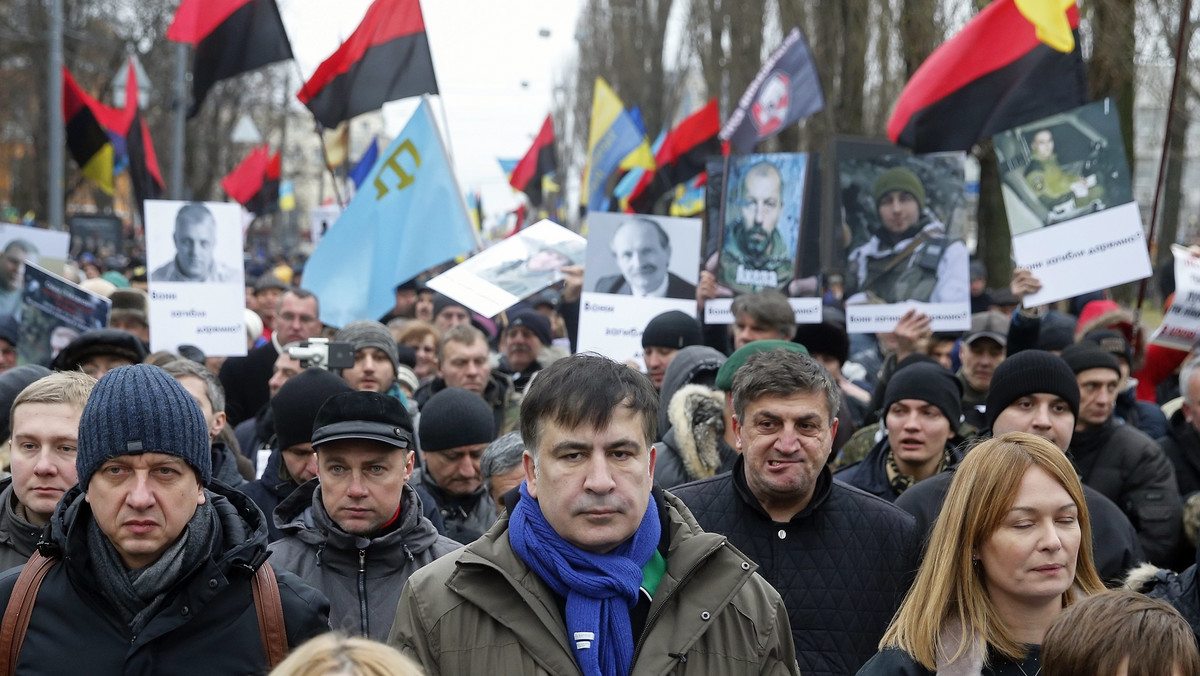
x=1011, y=548
x=335, y=654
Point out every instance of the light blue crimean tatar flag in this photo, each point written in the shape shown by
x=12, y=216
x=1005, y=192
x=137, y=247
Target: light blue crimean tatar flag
x=407, y=217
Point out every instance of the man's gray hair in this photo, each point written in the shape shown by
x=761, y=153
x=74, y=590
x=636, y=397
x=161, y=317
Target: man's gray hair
x=181, y=367
x=501, y=456
x=1185, y=377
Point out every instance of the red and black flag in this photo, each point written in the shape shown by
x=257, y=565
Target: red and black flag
x=144, y=173
x=998, y=72
x=231, y=37
x=254, y=183
x=681, y=157
x=93, y=135
x=536, y=165
x=386, y=58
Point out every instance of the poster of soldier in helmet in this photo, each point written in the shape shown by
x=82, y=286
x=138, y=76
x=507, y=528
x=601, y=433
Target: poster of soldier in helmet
x=1069, y=201
x=514, y=268
x=902, y=238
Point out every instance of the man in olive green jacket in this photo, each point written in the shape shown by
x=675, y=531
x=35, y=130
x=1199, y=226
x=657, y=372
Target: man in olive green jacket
x=593, y=570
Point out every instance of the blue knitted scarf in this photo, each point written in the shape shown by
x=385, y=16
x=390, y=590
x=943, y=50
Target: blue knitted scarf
x=601, y=589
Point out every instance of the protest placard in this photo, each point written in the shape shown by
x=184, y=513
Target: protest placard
x=515, y=268
x=54, y=313
x=903, y=221
x=1069, y=201
x=197, y=289
x=1180, y=327
x=638, y=267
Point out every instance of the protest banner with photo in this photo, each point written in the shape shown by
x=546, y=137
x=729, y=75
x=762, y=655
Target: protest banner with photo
x=903, y=225
x=197, y=288
x=101, y=236
x=512, y=269
x=1180, y=327
x=54, y=313
x=1069, y=201
x=46, y=248
x=321, y=219
x=638, y=267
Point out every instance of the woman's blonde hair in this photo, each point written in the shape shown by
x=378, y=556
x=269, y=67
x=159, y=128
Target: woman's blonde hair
x=415, y=331
x=949, y=587
x=336, y=654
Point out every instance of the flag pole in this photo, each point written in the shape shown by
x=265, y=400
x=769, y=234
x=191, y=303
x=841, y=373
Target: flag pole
x=320, y=129
x=1180, y=54
x=454, y=177
x=56, y=166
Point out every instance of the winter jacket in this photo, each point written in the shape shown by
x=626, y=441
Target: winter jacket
x=481, y=610
x=269, y=490
x=18, y=538
x=499, y=394
x=896, y=662
x=245, y=382
x=1181, y=590
x=842, y=564
x=206, y=624
x=362, y=577
x=870, y=473
x=224, y=466
x=1115, y=544
x=694, y=446
x=1132, y=471
x=1181, y=445
x=693, y=364
x=462, y=519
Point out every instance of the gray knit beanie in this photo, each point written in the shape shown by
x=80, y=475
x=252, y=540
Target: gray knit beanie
x=140, y=409
x=368, y=333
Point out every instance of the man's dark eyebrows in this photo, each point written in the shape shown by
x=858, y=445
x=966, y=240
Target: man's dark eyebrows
x=570, y=445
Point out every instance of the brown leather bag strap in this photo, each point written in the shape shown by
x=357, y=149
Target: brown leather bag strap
x=269, y=608
x=20, y=609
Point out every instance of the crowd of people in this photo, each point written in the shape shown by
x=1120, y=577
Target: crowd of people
x=469, y=495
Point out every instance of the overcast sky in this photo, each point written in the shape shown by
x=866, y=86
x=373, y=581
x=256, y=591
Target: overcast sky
x=483, y=52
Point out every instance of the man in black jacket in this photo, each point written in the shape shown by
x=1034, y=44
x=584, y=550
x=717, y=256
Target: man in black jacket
x=1119, y=460
x=156, y=563
x=841, y=559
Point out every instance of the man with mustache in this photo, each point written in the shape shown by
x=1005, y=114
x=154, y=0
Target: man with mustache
x=842, y=559
x=593, y=569
x=643, y=251
x=754, y=256
x=528, y=331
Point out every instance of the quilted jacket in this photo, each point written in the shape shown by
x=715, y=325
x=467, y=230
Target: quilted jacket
x=842, y=565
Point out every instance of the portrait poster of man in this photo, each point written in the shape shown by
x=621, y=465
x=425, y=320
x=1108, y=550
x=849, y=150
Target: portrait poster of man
x=197, y=292
x=902, y=232
x=764, y=197
x=20, y=245
x=55, y=312
x=1068, y=197
x=638, y=266
x=514, y=268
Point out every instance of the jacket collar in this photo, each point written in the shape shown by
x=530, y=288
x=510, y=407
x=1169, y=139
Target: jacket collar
x=824, y=486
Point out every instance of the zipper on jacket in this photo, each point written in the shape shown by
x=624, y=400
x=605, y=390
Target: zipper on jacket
x=682, y=581
x=362, y=592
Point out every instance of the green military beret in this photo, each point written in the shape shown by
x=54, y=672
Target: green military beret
x=738, y=359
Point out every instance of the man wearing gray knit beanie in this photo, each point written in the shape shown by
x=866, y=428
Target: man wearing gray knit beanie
x=152, y=564
x=375, y=357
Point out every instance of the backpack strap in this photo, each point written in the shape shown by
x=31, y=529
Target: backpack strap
x=269, y=608
x=20, y=609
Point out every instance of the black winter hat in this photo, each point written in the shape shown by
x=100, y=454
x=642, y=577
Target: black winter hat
x=930, y=383
x=441, y=302
x=140, y=409
x=454, y=418
x=535, y=322
x=1031, y=372
x=100, y=342
x=1112, y=342
x=674, y=329
x=1088, y=355
x=10, y=328
x=12, y=382
x=296, y=404
x=363, y=415
x=829, y=339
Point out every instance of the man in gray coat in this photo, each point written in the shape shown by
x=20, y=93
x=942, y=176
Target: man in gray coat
x=356, y=532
